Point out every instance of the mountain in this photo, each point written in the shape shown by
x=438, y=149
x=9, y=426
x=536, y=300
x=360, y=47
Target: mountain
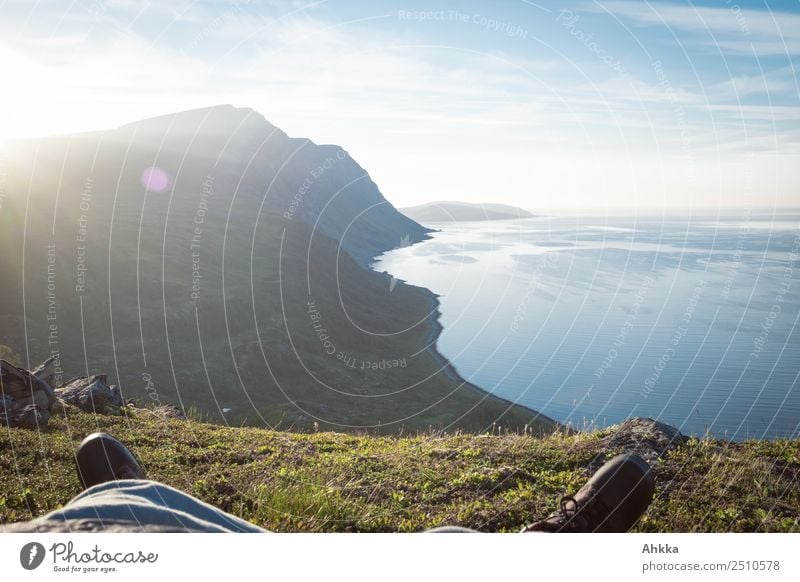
x=205, y=258
x=463, y=212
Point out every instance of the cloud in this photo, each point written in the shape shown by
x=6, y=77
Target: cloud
x=425, y=117
x=729, y=29
x=774, y=82
x=88, y=88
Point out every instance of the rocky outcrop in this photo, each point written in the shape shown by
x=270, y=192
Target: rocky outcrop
x=25, y=387
x=648, y=438
x=92, y=394
x=31, y=417
x=25, y=398
x=46, y=371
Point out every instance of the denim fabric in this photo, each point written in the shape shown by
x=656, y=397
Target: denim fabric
x=147, y=503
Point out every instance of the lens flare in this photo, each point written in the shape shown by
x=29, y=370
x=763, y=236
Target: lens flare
x=154, y=179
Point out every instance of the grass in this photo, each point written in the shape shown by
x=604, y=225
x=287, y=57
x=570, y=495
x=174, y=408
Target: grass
x=326, y=482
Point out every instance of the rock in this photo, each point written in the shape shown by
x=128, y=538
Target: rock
x=40, y=398
x=646, y=437
x=92, y=394
x=6, y=403
x=43, y=400
x=14, y=380
x=30, y=417
x=46, y=371
x=23, y=386
x=61, y=407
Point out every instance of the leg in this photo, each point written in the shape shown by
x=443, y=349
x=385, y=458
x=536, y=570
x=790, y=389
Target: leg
x=147, y=503
x=118, y=494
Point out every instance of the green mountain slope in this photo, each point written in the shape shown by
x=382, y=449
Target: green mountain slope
x=207, y=259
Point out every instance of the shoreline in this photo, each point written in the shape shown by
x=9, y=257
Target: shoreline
x=423, y=268
x=435, y=329
x=452, y=372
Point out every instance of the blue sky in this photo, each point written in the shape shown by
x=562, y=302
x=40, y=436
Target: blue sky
x=619, y=104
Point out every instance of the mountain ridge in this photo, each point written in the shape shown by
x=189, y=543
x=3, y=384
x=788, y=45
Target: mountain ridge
x=228, y=272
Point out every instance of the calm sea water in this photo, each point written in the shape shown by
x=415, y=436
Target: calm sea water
x=693, y=321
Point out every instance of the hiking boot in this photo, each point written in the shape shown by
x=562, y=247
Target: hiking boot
x=101, y=458
x=611, y=502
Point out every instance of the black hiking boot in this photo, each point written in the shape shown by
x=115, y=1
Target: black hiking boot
x=610, y=502
x=101, y=458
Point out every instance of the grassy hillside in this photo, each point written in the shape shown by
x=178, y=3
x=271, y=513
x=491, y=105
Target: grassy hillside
x=344, y=482
x=232, y=292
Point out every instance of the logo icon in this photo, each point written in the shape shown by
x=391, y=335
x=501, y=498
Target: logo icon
x=31, y=555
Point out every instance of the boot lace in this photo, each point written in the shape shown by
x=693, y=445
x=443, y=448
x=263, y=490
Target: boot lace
x=576, y=517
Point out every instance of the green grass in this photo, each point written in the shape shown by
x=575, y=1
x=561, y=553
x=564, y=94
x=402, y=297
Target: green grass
x=344, y=482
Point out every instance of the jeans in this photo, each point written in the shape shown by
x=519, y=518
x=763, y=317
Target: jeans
x=140, y=503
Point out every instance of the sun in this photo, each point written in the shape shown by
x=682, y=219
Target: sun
x=29, y=97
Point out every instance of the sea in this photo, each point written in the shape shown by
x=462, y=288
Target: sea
x=691, y=320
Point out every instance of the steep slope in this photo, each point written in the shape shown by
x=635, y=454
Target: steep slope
x=206, y=258
x=319, y=185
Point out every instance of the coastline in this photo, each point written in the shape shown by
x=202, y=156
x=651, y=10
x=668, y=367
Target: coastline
x=451, y=371
x=435, y=329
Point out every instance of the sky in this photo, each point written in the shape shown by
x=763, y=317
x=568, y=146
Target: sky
x=575, y=105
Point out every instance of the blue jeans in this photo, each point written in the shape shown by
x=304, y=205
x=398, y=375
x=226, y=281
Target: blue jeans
x=139, y=503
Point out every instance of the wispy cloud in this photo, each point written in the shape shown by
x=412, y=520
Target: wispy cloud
x=429, y=115
x=775, y=82
x=728, y=29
